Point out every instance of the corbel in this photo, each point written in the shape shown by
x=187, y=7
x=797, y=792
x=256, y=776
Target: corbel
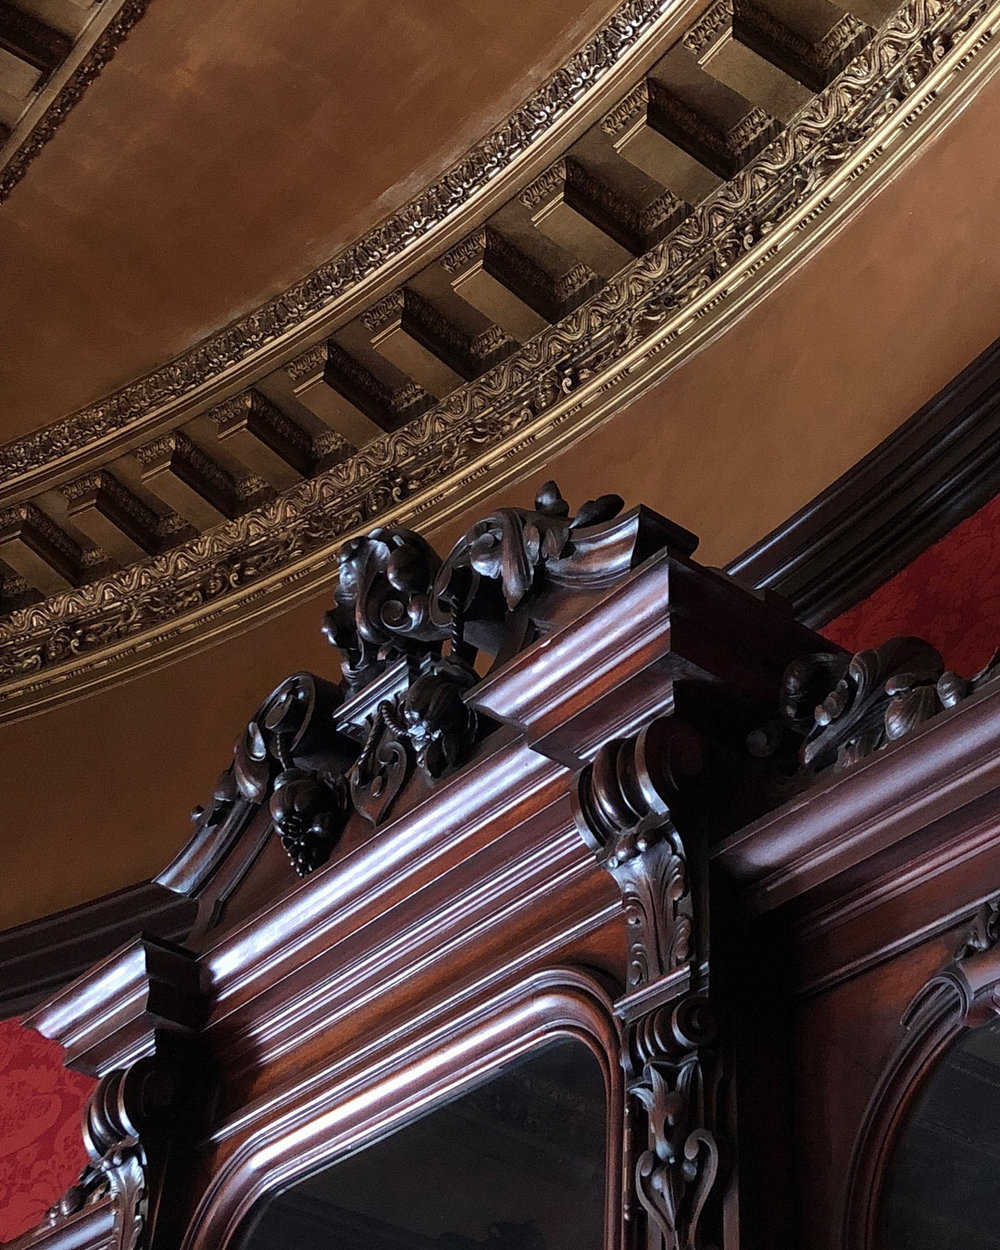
x=634, y=806
x=132, y=1021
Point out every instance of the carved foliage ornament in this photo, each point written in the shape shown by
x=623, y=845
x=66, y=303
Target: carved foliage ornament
x=130, y=1112
x=838, y=709
x=622, y=804
x=627, y=806
x=676, y=1085
x=317, y=751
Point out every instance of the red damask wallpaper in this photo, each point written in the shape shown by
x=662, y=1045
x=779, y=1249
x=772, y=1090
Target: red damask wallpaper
x=41, y=1150
x=950, y=595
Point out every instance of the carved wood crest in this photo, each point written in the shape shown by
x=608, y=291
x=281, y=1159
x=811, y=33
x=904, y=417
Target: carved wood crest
x=414, y=632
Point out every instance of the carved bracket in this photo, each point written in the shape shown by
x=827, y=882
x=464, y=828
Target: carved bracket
x=622, y=804
x=153, y=1087
x=626, y=804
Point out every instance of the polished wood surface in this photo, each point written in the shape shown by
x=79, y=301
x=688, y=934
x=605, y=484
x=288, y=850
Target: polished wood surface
x=766, y=963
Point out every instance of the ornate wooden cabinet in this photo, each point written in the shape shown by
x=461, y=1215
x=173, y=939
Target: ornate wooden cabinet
x=631, y=913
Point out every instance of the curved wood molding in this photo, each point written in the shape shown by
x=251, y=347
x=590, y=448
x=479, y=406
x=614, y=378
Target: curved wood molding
x=910, y=79
x=339, y=1110
x=962, y=997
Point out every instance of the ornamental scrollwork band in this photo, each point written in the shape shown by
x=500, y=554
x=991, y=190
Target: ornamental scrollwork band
x=523, y=400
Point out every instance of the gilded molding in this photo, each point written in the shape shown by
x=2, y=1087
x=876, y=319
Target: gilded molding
x=709, y=26
x=310, y=362
x=13, y=168
x=320, y=290
x=658, y=304
x=628, y=108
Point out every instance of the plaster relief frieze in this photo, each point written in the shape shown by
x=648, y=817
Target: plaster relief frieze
x=564, y=379
x=382, y=246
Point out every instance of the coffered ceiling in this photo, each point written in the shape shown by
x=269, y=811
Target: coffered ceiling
x=226, y=150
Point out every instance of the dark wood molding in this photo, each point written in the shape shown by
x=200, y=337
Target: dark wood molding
x=962, y=996
x=41, y=956
x=870, y=810
x=938, y=468
x=453, y=916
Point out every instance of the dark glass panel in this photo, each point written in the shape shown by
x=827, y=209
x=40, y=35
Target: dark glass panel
x=943, y=1185
x=516, y=1163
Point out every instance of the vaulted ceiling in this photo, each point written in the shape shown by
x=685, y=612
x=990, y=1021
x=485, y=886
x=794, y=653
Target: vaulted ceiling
x=192, y=263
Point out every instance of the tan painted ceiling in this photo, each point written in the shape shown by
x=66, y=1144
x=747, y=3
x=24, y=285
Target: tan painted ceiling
x=231, y=146
x=96, y=792
x=228, y=148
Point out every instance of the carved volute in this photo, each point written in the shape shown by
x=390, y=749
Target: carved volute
x=629, y=806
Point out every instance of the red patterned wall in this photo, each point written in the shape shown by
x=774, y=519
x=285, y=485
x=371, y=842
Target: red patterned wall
x=949, y=595
x=41, y=1150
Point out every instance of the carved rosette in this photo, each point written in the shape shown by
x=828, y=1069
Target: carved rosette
x=627, y=805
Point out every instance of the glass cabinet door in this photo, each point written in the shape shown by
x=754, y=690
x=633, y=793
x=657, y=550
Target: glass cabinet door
x=515, y=1163
x=942, y=1189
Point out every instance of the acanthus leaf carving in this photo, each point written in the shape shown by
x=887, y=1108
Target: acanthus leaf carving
x=836, y=709
x=381, y=607
x=622, y=803
x=627, y=805
x=676, y=1085
x=132, y=1120
x=429, y=726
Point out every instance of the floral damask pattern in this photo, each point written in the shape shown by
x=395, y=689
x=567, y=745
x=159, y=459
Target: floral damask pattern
x=41, y=1149
x=950, y=595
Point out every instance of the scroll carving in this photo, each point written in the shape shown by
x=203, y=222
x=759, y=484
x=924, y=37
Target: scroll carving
x=675, y=1078
x=837, y=709
x=124, y=1107
x=627, y=804
x=381, y=607
x=512, y=544
x=410, y=629
x=622, y=805
x=430, y=726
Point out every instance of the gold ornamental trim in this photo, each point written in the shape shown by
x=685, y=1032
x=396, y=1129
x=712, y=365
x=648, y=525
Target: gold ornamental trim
x=65, y=88
x=291, y=322
x=908, y=83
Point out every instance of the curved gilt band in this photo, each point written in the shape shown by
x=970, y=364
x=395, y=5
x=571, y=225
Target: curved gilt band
x=524, y=408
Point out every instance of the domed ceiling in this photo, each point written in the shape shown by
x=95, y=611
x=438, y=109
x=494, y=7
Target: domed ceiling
x=284, y=272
